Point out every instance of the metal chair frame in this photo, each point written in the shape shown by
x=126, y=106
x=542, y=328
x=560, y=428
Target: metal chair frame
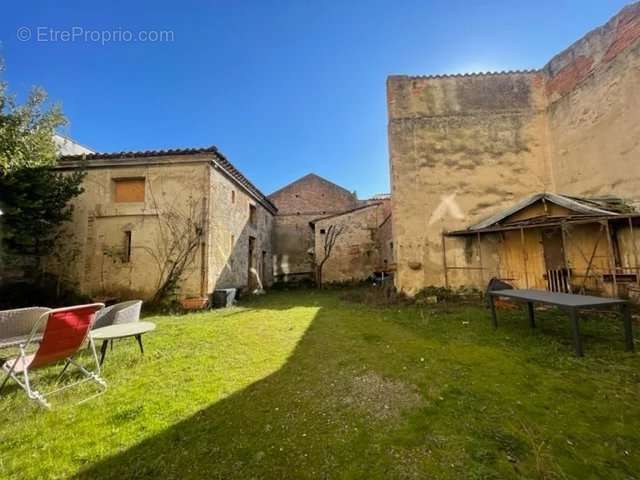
x=34, y=338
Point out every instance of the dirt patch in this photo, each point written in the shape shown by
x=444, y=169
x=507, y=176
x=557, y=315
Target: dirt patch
x=380, y=397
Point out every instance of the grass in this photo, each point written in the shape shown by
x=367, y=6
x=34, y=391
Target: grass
x=307, y=385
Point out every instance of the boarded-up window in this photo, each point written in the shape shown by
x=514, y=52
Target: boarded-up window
x=129, y=190
x=253, y=215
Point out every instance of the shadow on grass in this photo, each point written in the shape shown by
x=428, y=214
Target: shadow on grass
x=299, y=422
x=271, y=429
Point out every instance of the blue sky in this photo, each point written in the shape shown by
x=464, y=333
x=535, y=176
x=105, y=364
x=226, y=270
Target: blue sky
x=283, y=88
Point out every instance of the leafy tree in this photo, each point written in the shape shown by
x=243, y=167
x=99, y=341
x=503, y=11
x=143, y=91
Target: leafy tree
x=34, y=199
x=35, y=202
x=26, y=131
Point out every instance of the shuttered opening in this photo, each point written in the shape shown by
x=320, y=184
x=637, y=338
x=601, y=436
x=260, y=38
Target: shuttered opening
x=129, y=190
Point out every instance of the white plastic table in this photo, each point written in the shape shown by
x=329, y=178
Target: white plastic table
x=122, y=330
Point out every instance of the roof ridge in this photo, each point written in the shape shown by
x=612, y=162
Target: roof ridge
x=235, y=173
x=557, y=198
x=351, y=210
x=309, y=175
x=471, y=74
x=139, y=153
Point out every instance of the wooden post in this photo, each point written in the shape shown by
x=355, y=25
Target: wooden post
x=480, y=258
x=590, y=260
x=525, y=258
x=564, y=255
x=444, y=261
x=612, y=259
x=635, y=249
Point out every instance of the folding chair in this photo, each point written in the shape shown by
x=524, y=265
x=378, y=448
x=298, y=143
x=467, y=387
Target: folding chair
x=64, y=334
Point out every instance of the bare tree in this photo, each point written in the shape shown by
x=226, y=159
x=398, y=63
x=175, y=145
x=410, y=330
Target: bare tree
x=330, y=237
x=180, y=233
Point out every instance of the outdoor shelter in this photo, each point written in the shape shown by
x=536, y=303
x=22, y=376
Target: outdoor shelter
x=552, y=242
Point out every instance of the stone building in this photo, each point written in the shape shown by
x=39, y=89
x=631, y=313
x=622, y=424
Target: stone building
x=307, y=208
x=299, y=203
x=141, y=212
x=466, y=147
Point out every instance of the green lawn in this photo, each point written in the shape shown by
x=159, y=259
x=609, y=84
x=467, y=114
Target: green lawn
x=306, y=385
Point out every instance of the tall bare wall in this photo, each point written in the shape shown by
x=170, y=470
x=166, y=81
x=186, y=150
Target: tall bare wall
x=594, y=110
x=461, y=147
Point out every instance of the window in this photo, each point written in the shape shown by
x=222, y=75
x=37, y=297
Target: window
x=233, y=242
x=126, y=251
x=253, y=215
x=322, y=231
x=233, y=196
x=129, y=190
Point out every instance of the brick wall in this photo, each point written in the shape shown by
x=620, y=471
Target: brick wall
x=594, y=110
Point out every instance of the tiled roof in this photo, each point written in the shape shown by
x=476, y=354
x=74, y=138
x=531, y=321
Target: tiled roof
x=339, y=214
x=140, y=154
x=220, y=159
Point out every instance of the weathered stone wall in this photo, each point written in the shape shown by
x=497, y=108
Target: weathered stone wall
x=461, y=148
x=293, y=243
x=299, y=203
x=464, y=147
x=184, y=186
x=355, y=255
x=594, y=110
x=230, y=231
x=99, y=225
x=385, y=245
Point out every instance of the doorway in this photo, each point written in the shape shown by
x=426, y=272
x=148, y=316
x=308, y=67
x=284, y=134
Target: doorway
x=252, y=282
x=557, y=275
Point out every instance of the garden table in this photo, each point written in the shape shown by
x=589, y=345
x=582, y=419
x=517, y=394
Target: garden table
x=570, y=303
x=122, y=330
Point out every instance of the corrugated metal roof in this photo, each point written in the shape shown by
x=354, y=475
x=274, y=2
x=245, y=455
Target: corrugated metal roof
x=583, y=206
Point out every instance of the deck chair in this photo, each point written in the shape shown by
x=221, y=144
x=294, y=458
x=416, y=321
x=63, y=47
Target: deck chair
x=124, y=312
x=65, y=331
x=16, y=325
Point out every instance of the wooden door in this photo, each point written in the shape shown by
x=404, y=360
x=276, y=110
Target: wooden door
x=557, y=275
x=552, y=246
